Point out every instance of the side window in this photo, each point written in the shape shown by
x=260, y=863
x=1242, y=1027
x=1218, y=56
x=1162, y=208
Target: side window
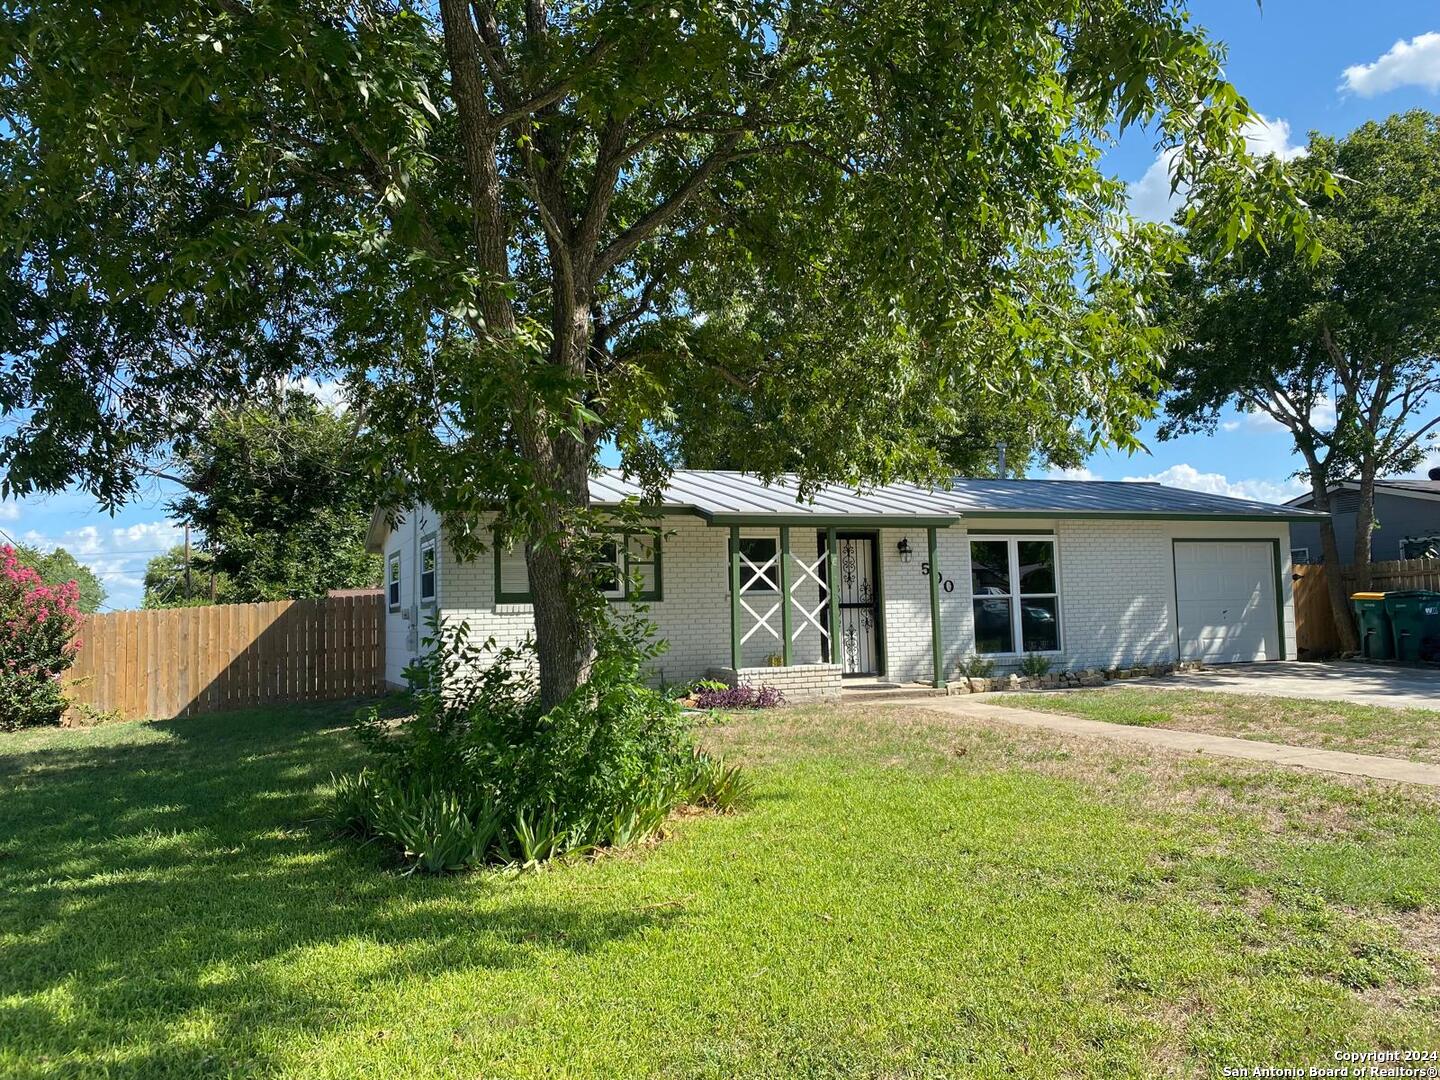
x=626, y=566
x=608, y=572
x=393, y=581
x=512, y=576
x=642, y=564
x=428, y=571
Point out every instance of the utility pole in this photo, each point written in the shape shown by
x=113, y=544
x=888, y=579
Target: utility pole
x=188, y=591
x=1001, y=448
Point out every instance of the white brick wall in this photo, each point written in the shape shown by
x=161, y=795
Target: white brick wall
x=693, y=616
x=403, y=630
x=1116, y=583
x=801, y=682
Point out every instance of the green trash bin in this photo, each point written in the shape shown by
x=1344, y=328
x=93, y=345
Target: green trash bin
x=1376, y=640
x=1415, y=623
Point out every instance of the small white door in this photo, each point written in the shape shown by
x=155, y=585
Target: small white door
x=1225, y=601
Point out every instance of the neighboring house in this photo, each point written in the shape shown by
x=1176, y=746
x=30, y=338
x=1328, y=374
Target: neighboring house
x=1088, y=574
x=1405, y=510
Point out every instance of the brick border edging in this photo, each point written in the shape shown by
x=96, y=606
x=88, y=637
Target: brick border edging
x=1065, y=680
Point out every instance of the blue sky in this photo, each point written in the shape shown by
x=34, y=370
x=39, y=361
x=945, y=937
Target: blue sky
x=1303, y=64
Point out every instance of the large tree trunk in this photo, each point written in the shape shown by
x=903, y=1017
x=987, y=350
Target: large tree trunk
x=561, y=586
x=1334, y=581
x=559, y=582
x=1365, y=524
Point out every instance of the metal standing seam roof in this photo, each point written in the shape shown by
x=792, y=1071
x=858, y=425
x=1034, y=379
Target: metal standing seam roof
x=1420, y=489
x=720, y=496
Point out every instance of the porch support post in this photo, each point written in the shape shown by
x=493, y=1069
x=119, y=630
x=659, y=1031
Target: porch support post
x=936, y=651
x=735, y=597
x=785, y=593
x=832, y=591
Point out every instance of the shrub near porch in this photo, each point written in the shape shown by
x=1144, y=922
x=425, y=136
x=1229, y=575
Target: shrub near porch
x=908, y=895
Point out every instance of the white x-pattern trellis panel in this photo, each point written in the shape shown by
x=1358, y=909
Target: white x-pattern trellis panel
x=810, y=618
x=758, y=574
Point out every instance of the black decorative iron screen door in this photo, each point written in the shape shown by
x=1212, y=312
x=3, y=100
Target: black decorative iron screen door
x=859, y=596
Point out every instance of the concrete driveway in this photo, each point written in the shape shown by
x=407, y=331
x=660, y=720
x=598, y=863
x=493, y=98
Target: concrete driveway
x=1365, y=684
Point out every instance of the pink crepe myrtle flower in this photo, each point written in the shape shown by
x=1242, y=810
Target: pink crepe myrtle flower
x=38, y=643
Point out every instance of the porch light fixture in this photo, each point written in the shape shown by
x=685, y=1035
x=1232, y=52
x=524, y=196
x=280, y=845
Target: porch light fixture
x=904, y=548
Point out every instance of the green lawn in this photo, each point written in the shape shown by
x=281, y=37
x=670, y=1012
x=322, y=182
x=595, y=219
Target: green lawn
x=1326, y=725
x=910, y=895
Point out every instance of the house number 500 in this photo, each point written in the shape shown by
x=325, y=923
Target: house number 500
x=948, y=584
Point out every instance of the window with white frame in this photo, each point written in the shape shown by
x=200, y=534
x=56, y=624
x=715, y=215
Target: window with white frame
x=608, y=571
x=428, y=570
x=1014, y=594
x=627, y=566
x=393, y=581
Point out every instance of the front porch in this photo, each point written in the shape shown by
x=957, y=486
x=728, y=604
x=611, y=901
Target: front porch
x=825, y=638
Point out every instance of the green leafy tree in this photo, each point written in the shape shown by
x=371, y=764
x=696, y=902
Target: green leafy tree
x=282, y=498
x=521, y=230
x=173, y=579
x=59, y=566
x=1356, y=330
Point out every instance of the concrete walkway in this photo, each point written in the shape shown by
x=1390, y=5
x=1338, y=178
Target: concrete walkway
x=1334, y=761
x=1336, y=680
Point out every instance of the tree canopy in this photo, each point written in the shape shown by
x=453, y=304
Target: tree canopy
x=283, y=500
x=521, y=230
x=177, y=579
x=1354, y=333
x=59, y=566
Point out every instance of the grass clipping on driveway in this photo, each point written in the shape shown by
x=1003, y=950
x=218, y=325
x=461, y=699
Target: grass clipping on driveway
x=910, y=895
x=1324, y=725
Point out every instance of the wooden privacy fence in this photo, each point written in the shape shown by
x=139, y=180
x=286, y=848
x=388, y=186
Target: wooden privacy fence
x=185, y=661
x=1315, y=629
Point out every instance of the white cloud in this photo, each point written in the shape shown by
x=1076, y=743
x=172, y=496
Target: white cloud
x=150, y=534
x=1262, y=423
x=1192, y=479
x=9, y=511
x=329, y=394
x=117, y=555
x=1082, y=473
x=1408, y=63
x=1150, y=197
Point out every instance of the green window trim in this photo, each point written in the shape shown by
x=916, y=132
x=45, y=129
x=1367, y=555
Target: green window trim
x=653, y=595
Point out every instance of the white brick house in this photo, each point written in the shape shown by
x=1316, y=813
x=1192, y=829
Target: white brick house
x=1088, y=574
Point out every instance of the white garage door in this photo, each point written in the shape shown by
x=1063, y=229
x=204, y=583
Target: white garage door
x=1225, y=601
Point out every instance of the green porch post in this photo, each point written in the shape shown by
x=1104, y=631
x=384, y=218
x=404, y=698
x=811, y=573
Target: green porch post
x=936, y=651
x=785, y=593
x=735, y=597
x=832, y=590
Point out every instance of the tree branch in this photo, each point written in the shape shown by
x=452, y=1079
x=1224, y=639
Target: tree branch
x=622, y=246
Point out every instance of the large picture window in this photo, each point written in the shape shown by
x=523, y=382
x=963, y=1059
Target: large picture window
x=1014, y=594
